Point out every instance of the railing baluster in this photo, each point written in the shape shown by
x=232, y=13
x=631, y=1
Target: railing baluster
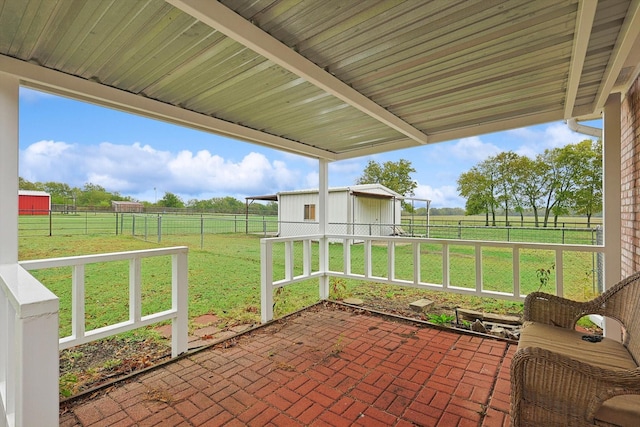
x=445, y=266
x=288, y=260
x=559, y=274
x=516, y=270
x=135, y=289
x=416, y=262
x=367, y=258
x=479, y=278
x=77, y=302
x=391, y=259
x=306, y=258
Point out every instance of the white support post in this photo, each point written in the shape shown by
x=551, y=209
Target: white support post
x=9, y=92
x=266, y=281
x=612, y=202
x=323, y=218
x=180, y=302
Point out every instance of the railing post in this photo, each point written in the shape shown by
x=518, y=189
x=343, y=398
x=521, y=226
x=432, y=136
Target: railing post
x=266, y=281
x=30, y=384
x=180, y=303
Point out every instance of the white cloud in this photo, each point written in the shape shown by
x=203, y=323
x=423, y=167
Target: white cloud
x=473, y=149
x=138, y=169
x=445, y=196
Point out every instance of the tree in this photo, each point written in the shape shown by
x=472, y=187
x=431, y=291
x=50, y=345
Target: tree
x=478, y=187
x=395, y=176
x=506, y=179
x=533, y=180
x=587, y=198
x=170, y=200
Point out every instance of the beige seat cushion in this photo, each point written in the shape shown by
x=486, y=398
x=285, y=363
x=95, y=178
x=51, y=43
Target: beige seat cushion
x=608, y=353
x=621, y=411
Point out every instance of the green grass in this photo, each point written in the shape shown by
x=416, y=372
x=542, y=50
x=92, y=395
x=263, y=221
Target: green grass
x=224, y=276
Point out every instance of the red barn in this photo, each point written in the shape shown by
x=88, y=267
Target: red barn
x=34, y=202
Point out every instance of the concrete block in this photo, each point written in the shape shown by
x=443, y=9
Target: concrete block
x=422, y=305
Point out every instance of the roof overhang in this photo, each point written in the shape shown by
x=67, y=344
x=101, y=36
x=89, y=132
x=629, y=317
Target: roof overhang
x=329, y=80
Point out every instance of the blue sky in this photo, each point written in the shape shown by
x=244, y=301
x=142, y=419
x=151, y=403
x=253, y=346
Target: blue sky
x=63, y=140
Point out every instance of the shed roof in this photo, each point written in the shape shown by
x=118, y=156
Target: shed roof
x=371, y=190
x=330, y=79
x=33, y=193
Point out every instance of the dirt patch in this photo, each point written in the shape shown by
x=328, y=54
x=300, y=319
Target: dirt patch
x=90, y=365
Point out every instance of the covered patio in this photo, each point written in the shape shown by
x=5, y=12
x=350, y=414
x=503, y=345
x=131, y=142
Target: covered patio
x=324, y=366
x=329, y=80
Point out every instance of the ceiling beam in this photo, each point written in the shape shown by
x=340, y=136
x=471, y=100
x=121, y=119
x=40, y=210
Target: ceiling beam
x=584, y=24
x=626, y=39
x=225, y=20
x=47, y=80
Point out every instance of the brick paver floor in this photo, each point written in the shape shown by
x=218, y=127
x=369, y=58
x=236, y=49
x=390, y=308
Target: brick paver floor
x=322, y=367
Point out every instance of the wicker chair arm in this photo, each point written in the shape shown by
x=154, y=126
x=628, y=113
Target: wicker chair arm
x=553, y=310
x=550, y=377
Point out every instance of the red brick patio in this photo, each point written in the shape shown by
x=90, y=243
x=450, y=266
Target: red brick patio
x=322, y=367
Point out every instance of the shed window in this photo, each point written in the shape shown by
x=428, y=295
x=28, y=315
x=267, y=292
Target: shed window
x=310, y=212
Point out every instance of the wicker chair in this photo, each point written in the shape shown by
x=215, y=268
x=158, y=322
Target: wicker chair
x=560, y=377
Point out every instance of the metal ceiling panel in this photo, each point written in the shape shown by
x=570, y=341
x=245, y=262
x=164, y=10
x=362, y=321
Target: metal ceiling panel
x=387, y=69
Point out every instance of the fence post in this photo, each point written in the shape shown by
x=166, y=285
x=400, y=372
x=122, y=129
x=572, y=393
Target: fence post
x=264, y=227
x=133, y=225
x=201, y=231
x=116, y=223
x=159, y=228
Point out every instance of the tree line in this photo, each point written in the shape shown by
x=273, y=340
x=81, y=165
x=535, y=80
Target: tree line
x=560, y=181
x=96, y=196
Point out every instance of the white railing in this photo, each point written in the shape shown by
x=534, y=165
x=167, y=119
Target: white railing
x=29, y=355
x=178, y=313
x=303, y=265
x=29, y=344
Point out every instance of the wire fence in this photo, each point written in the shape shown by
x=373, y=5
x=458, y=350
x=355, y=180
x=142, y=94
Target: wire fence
x=153, y=227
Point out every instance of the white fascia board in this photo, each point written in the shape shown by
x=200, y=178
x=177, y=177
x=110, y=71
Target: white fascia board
x=47, y=80
x=624, y=45
x=229, y=23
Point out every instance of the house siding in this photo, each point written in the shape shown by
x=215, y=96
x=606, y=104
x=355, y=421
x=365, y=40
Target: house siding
x=630, y=167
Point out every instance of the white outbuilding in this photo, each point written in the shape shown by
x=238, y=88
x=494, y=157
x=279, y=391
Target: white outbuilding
x=369, y=209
